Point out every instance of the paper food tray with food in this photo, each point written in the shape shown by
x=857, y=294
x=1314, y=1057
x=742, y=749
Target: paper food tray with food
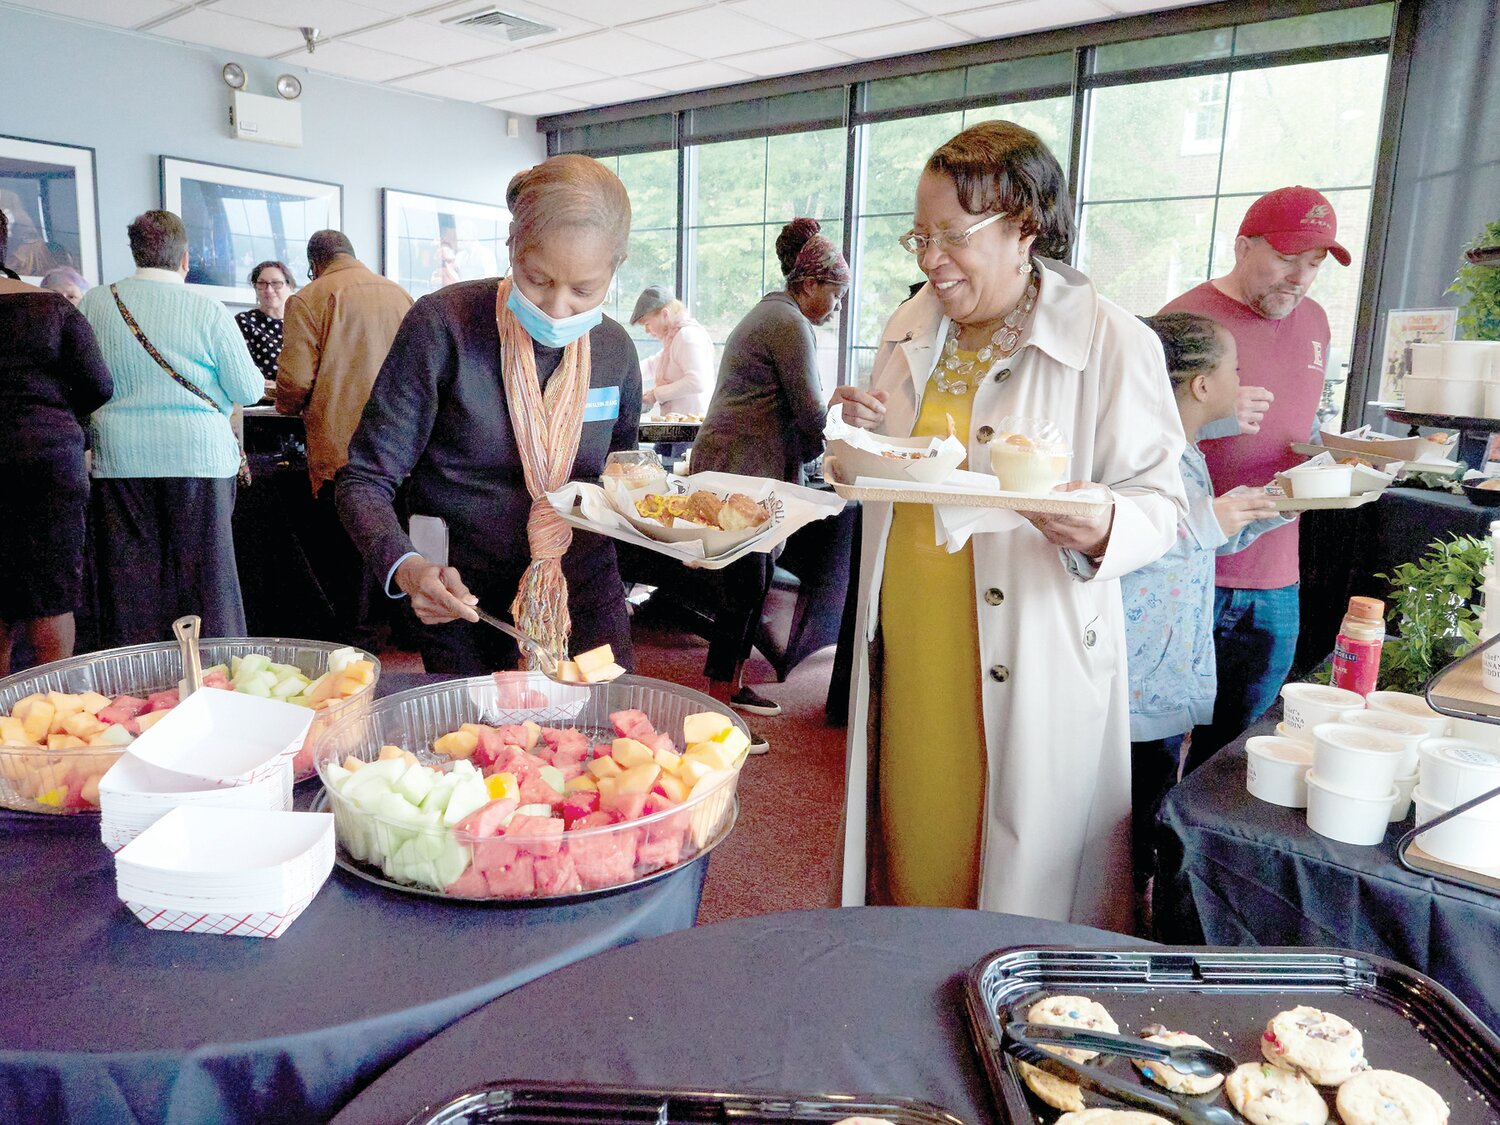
x=966, y=490
x=688, y=537
x=922, y=460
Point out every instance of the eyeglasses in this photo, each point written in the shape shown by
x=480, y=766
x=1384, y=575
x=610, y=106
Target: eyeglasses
x=270, y=285
x=945, y=240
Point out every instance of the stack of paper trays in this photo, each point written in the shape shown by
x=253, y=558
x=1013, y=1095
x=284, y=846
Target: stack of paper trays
x=242, y=872
x=215, y=749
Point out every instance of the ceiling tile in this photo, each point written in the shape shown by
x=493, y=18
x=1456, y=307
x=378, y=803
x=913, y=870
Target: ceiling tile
x=121, y=13
x=614, y=52
x=399, y=7
x=707, y=31
x=414, y=39
x=815, y=21
x=230, y=33
x=534, y=105
x=459, y=85
x=1028, y=15
x=698, y=76
x=525, y=68
x=790, y=59
x=943, y=7
x=1130, y=7
x=613, y=90
x=331, y=17
x=349, y=61
x=613, y=12
x=902, y=39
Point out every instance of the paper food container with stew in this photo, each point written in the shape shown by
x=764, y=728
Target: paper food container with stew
x=859, y=453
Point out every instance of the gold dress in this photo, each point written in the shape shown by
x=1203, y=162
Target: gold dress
x=931, y=758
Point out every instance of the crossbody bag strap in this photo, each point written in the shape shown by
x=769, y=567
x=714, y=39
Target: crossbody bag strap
x=135, y=330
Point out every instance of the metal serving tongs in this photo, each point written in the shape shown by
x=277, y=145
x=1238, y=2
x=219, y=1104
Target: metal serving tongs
x=1024, y=1041
x=186, y=630
x=549, y=663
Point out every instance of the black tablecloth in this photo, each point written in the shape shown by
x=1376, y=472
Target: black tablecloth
x=1234, y=870
x=865, y=1000
x=102, y=1020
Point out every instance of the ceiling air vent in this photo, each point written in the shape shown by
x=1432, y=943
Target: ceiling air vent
x=500, y=24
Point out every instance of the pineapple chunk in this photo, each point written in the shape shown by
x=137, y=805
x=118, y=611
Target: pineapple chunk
x=595, y=660
x=705, y=726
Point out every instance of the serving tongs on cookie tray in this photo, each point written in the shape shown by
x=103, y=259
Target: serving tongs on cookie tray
x=1025, y=1042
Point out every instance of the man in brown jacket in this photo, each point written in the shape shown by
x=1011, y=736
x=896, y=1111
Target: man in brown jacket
x=336, y=333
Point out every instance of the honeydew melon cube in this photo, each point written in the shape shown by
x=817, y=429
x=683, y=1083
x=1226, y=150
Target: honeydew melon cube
x=150, y=719
x=415, y=783
x=437, y=800
x=253, y=685
x=288, y=687
x=341, y=658
x=533, y=810
x=112, y=735
x=705, y=726
x=469, y=795
x=254, y=662
x=336, y=776
x=464, y=769
x=553, y=777
x=434, y=860
x=222, y=669
x=628, y=752
x=604, y=675
x=398, y=822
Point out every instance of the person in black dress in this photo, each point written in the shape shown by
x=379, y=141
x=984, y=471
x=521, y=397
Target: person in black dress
x=261, y=326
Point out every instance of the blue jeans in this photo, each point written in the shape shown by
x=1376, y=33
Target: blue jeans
x=1255, y=641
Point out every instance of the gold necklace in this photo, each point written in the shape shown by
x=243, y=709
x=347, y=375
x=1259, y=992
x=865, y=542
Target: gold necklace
x=952, y=374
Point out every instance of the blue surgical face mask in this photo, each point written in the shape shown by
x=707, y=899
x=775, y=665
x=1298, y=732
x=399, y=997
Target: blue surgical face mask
x=546, y=330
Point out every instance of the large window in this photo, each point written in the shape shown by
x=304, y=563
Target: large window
x=651, y=180
x=742, y=193
x=1176, y=134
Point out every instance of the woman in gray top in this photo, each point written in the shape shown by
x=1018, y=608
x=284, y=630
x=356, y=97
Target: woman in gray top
x=766, y=420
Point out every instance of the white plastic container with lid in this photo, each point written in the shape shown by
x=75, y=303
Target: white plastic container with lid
x=1307, y=705
x=1412, y=732
x=1458, y=397
x=1345, y=816
x=1467, y=360
x=1356, y=761
x=1320, y=481
x=1454, y=771
x=1276, y=770
x=1471, y=839
x=1414, y=706
x=1405, y=787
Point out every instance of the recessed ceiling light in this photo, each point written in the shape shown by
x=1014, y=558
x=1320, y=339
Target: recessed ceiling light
x=233, y=75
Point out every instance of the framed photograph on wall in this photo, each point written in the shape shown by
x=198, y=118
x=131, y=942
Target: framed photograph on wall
x=236, y=217
x=1403, y=328
x=47, y=191
x=428, y=242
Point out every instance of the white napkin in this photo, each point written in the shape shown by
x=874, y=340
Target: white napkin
x=954, y=524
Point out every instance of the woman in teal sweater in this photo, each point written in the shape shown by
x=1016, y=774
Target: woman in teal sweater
x=164, y=456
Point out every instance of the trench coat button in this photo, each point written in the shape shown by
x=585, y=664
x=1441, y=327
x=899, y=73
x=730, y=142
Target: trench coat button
x=993, y=596
x=985, y=434
x=1002, y=375
x=1090, y=638
x=999, y=673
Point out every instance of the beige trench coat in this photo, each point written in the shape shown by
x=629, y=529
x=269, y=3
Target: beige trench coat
x=1056, y=840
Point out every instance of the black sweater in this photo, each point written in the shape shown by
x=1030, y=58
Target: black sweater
x=437, y=414
x=52, y=376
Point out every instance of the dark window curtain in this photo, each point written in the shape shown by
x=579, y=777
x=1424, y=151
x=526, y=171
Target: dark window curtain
x=1446, y=184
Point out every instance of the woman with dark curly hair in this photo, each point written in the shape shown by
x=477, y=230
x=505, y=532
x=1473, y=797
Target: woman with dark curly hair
x=989, y=737
x=261, y=326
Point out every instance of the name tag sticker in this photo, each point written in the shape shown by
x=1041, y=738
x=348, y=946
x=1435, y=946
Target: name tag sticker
x=602, y=405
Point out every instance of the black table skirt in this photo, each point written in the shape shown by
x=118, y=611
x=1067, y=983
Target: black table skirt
x=865, y=1000
x=104, y=1021
x=1234, y=870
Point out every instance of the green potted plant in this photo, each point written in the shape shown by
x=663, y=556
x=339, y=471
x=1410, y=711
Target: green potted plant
x=1478, y=282
x=1432, y=610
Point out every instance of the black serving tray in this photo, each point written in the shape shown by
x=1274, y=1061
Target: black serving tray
x=1410, y=1022
x=524, y=1103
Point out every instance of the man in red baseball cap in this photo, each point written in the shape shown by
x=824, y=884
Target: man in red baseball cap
x=1283, y=338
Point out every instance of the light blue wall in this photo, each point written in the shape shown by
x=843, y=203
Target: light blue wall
x=133, y=99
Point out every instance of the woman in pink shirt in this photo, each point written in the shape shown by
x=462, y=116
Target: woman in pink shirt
x=683, y=371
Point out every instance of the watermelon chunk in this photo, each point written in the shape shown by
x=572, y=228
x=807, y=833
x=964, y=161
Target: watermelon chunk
x=488, y=820
x=556, y=875
x=161, y=701
x=470, y=884
x=661, y=741
x=217, y=680
x=579, y=804
x=632, y=724
x=535, y=791
x=659, y=844
x=491, y=748
x=540, y=835
x=605, y=859
x=628, y=806
x=516, y=880
x=569, y=745
x=129, y=704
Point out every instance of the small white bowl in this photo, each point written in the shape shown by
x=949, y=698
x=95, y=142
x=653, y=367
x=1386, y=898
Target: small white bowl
x=1356, y=761
x=1454, y=771
x=1405, y=786
x=1346, y=817
x=1320, y=481
x=1468, y=840
x=1412, y=732
x=1413, y=706
x=1276, y=770
x=1481, y=734
x=1307, y=705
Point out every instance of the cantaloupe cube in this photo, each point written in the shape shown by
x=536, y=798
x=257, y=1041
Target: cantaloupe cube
x=593, y=660
x=361, y=670
x=150, y=719
x=533, y=734
x=81, y=724
x=709, y=753
x=705, y=726
x=92, y=702
x=673, y=787
x=63, y=704
x=13, y=731
x=353, y=764
x=456, y=744
x=639, y=779
x=35, y=713
x=608, y=787
x=668, y=760
x=322, y=689
x=693, y=770
x=64, y=742
x=582, y=781
x=388, y=751
x=90, y=792
x=568, y=670
x=628, y=752
x=605, y=767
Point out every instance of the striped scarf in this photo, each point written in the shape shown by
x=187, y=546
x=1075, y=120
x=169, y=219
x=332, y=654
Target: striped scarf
x=547, y=428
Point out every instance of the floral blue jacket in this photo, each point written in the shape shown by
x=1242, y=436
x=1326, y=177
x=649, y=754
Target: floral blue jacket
x=1169, y=615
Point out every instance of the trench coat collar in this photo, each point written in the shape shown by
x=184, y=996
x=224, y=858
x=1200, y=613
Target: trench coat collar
x=1067, y=300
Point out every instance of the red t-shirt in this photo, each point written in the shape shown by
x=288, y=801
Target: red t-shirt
x=1285, y=356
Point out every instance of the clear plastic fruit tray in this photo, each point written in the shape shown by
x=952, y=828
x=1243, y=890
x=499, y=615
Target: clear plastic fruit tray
x=521, y=869
x=28, y=772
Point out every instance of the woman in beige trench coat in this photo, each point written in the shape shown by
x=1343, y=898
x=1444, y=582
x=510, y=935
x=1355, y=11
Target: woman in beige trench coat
x=1055, y=833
